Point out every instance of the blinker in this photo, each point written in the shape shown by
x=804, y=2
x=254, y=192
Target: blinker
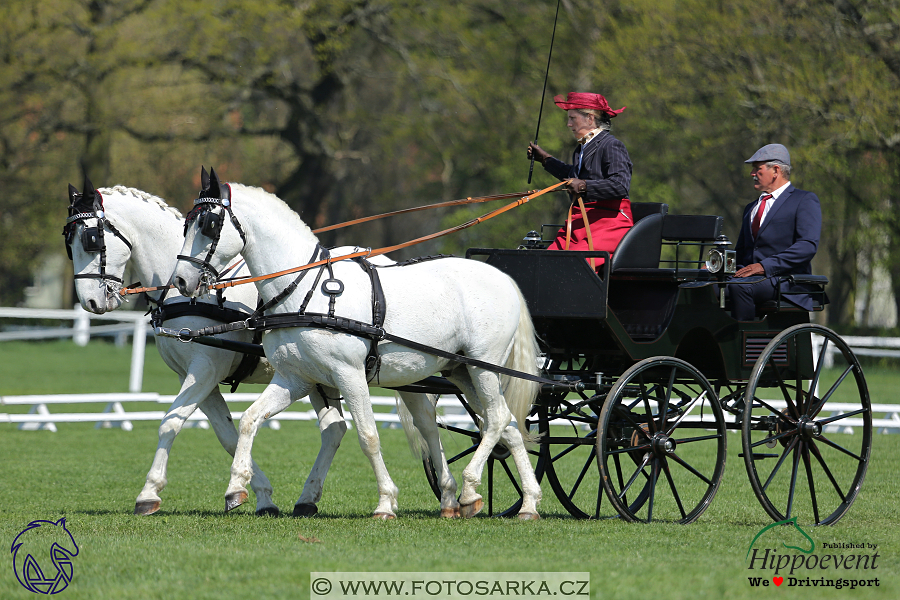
x=210, y=223
x=90, y=239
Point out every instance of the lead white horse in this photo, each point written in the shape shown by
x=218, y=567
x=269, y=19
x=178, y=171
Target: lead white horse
x=455, y=305
x=148, y=235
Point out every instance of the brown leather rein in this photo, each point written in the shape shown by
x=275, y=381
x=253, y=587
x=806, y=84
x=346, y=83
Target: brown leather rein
x=369, y=252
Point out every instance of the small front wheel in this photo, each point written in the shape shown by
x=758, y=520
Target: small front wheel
x=661, y=447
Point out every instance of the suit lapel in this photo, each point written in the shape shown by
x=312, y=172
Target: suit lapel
x=773, y=213
x=591, y=149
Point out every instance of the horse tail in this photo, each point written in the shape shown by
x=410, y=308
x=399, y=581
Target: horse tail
x=521, y=393
x=417, y=444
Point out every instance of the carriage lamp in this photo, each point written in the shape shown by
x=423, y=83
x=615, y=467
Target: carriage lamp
x=721, y=261
x=531, y=241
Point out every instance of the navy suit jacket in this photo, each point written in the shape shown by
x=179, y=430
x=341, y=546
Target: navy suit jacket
x=787, y=240
x=605, y=168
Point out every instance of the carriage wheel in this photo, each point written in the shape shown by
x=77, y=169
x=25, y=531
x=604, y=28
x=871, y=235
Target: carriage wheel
x=500, y=481
x=808, y=436
x=568, y=430
x=662, y=434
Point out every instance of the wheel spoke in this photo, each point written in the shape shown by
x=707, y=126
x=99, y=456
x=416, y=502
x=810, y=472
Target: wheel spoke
x=490, y=470
x=812, y=487
x=665, y=465
x=686, y=412
x=640, y=470
x=781, y=384
x=828, y=442
x=572, y=447
x=629, y=449
x=779, y=436
x=841, y=416
x=684, y=464
x=834, y=387
x=775, y=411
x=698, y=439
x=780, y=462
x=823, y=351
x=584, y=471
x=821, y=459
x=647, y=409
x=664, y=408
x=599, y=498
x=463, y=454
x=654, y=476
x=793, y=487
x=512, y=477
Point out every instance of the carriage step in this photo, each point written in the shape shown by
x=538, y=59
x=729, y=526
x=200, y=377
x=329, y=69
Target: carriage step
x=760, y=456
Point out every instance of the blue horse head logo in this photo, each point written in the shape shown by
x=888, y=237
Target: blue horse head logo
x=36, y=542
x=792, y=522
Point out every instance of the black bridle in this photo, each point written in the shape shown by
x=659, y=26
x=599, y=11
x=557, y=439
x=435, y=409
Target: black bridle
x=210, y=222
x=84, y=206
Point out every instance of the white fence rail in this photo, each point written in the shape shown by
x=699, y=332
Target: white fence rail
x=40, y=416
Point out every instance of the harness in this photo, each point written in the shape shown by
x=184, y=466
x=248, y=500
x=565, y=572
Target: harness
x=210, y=223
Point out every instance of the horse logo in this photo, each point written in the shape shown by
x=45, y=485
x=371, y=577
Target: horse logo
x=793, y=522
x=35, y=541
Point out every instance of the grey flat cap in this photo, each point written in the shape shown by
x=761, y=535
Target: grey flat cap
x=771, y=152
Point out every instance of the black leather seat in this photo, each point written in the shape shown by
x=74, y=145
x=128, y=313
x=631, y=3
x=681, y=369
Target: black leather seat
x=641, y=246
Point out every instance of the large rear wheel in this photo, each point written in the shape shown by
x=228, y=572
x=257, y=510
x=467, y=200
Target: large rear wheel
x=807, y=428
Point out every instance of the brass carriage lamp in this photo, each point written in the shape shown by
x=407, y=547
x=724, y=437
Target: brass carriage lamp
x=721, y=262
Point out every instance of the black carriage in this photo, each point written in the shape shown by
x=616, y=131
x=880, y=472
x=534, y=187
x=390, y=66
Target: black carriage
x=664, y=373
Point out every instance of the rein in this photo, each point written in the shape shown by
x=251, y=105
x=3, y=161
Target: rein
x=368, y=253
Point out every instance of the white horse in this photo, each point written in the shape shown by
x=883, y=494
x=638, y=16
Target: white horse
x=455, y=305
x=148, y=235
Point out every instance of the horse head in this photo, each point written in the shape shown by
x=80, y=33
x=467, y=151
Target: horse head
x=98, y=259
x=206, y=234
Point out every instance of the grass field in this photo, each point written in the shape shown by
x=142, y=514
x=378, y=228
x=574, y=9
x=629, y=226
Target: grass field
x=191, y=550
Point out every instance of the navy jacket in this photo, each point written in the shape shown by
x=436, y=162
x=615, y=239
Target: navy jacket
x=605, y=168
x=787, y=240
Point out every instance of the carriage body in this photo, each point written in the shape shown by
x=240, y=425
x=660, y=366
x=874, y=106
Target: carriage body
x=665, y=372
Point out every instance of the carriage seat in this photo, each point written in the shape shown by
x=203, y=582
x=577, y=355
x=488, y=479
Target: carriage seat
x=814, y=285
x=641, y=245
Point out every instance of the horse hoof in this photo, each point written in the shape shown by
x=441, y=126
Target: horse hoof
x=384, y=516
x=269, y=511
x=527, y=516
x=305, y=510
x=468, y=511
x=234, y=500
x=147, y=507
x=450, y=513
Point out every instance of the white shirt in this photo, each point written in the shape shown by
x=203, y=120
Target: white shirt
x=769, y=204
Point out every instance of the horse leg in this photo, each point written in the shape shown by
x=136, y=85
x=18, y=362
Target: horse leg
x=356, y=394
x=277, y=396
x=220, y=418
x=496, y=416
x=424, y=417
x=192, y=393
x=531, y=489
x=332, y=428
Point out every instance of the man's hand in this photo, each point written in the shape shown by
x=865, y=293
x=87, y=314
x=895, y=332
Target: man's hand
x=750, y=270
x=537, y=152
x=578, y=186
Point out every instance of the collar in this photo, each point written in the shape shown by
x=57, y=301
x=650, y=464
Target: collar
x=776, y=193
x=590, y=136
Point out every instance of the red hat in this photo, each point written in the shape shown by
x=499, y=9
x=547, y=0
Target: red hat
x=579, y=100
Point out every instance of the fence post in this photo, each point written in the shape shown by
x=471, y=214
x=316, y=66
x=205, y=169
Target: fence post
x=138, y=343
x=81, y=328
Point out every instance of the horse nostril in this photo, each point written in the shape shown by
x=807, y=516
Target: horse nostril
x=180, y=284
x=92, y=306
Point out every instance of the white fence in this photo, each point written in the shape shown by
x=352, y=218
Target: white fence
x=137, y=325
x=114, y=414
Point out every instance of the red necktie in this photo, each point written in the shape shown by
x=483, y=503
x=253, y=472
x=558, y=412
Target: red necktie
x=754, y=227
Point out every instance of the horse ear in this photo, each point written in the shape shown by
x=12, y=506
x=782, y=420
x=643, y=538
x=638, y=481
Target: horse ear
x=73, y=194
x=89, y=194
x=214, y=187
x=204, y=179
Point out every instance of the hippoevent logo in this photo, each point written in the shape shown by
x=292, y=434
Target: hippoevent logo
x=42, y=556
x=783, y=554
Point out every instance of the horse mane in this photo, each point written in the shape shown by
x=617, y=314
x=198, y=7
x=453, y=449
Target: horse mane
x=142, y=195
x=285, y=211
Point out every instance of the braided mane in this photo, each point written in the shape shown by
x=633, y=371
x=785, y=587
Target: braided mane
x=142, y=195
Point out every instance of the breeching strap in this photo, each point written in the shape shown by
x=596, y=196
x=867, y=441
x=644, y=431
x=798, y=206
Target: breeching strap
x=369, y=253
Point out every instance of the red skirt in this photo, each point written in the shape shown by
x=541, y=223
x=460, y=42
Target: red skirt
x=610, y=220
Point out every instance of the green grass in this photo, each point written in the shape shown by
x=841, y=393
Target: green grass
x=190, y=549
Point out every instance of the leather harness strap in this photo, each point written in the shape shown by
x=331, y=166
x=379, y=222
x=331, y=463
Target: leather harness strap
x=587, y=227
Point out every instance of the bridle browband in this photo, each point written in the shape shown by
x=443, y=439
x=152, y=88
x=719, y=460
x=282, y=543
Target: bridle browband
x=91, y=237
x=210, y=224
